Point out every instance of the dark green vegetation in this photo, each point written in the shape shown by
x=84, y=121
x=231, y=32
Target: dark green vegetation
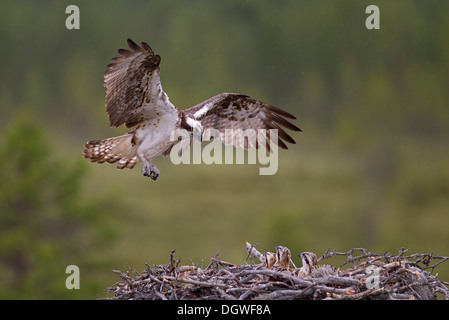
x=369, y=170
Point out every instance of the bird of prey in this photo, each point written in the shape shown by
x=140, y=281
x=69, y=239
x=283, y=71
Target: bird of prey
x=309, y=262
x=283, y=258
x=311, y=268
x=269, y=259
x=135, y=98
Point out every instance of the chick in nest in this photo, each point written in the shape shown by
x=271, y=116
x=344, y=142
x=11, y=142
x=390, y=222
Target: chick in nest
x=283, y=258
x=269, y=259
x=309, y=262
x=310, y=267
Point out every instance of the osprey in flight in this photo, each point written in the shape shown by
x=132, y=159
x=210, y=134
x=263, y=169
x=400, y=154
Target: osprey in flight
x=134, y=97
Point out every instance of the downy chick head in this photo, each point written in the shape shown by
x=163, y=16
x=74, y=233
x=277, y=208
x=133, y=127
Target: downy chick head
x=283, y=256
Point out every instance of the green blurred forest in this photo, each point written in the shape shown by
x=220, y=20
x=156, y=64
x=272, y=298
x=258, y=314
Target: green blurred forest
x=370, y=169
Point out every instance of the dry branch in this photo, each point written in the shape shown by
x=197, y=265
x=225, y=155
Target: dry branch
x=364, y=275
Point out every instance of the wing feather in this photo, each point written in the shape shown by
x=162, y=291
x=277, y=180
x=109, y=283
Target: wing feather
x=240, y=112
x=133, y=89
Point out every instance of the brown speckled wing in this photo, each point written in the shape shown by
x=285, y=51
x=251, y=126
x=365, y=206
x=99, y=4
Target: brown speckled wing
x=237, y=111
x=133, y=88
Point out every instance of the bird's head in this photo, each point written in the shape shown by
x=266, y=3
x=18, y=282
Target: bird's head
x=308, y=259
x=283, y=256
x=193, y=126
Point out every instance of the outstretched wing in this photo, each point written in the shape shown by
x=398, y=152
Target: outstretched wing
x=236, y=111
x=133, y=88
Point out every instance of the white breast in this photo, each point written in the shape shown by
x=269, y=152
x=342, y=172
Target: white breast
x=154, y=135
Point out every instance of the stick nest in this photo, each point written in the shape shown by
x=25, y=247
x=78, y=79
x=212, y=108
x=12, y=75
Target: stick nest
x=363, y=275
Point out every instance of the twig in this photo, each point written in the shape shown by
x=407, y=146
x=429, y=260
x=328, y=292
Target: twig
x=250, y=249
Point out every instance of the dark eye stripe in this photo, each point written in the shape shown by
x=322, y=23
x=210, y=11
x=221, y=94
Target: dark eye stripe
x=307, y=259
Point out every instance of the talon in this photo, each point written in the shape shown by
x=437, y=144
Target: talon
x=154, y=175
x=150, y=170
x=146, y=172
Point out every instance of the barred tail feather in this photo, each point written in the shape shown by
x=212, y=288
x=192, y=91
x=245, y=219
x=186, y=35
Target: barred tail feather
x=120, y=149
